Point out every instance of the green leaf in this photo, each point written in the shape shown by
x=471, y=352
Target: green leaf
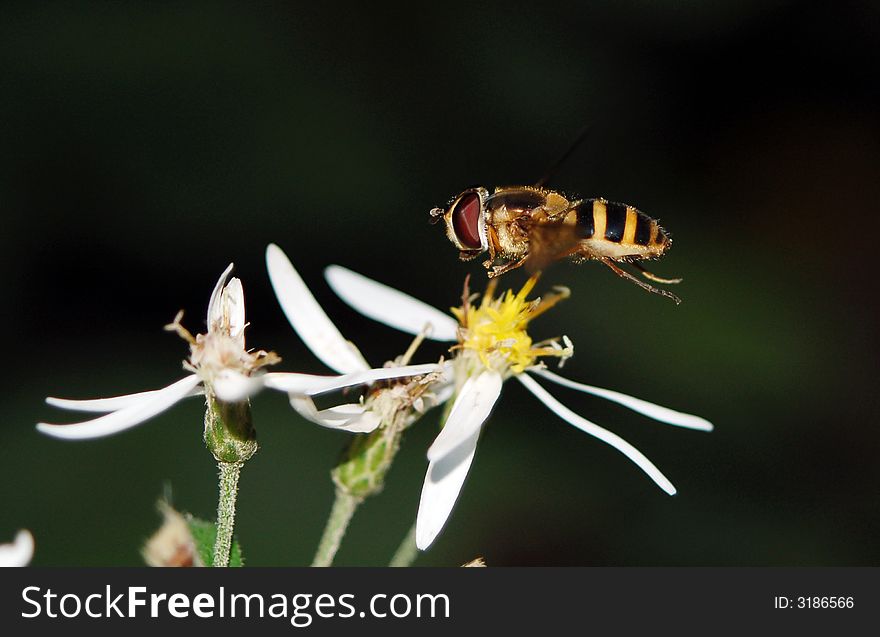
x=204, y=533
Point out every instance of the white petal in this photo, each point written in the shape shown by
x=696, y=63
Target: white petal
x=471, y=409
x=310, y=384
x=308, y=319
x=233, y=307
x=215, y=310
x=595, y=430
x=19, y=552
x=389, y=306
x=105, y=405
x=233, y=387
x=651, y=410
x=443, y=483
x=124, y=418
x=348, y=417
x=452, y=453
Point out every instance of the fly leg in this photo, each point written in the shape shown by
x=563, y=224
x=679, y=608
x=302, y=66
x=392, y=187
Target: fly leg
x=498, y=270
x=653, y=277
x=493, y=241
x=629, y=277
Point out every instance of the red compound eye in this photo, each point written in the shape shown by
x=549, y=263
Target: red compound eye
x=466, y=221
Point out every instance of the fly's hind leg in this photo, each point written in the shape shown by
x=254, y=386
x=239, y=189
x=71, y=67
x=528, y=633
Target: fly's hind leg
x=653, y=277
x=629, y=277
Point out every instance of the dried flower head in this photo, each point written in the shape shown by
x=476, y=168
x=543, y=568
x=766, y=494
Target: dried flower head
x=173, y=543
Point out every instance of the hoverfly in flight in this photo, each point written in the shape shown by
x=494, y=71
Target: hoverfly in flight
x=534, y=226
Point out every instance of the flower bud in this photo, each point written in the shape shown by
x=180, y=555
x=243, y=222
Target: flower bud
x=229, y=431
x=365, y=462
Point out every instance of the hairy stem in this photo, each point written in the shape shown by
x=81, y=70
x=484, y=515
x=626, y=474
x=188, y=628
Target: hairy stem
x=407, y=552
x=343, y=509
x=229, y=473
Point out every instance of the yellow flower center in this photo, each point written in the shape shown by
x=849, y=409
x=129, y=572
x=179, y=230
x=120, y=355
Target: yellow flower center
x=496, y=330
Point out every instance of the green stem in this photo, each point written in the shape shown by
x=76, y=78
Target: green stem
x=229, y=473
x=407, y=552
x=340, y=516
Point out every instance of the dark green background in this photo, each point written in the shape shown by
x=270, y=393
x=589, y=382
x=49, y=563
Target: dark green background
x=143, y=147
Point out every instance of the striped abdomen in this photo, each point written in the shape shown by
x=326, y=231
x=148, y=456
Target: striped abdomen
x=616, y=230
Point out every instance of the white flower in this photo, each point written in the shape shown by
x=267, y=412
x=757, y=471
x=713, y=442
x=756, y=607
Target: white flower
x=492, y=345
x=219, y=364
x=321, y=336
x=19, y=552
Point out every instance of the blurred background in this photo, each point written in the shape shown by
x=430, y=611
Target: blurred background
x=146, y=147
